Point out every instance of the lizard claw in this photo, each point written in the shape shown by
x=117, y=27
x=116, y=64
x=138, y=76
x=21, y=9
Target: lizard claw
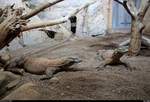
x=45, y=78
x=100, y=67
x=97, y=68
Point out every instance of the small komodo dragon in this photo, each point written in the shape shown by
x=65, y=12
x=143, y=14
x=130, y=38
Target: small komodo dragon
x=42, y=66
x=113, y=57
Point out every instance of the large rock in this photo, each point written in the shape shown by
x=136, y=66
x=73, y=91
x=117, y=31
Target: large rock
x=7, y=81
x=137, y=63
x=2, y=83
x=9, y=76
x=2, y=78
x=25, y=92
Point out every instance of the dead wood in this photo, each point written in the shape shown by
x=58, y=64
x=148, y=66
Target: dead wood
x=11, y=24
x=39, y=9
x=145, y=42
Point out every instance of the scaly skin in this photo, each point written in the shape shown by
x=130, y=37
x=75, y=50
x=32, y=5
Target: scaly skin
x=114, y=59
x=42, y=66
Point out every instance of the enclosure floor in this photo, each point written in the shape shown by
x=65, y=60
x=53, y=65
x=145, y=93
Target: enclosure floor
x=113, y=82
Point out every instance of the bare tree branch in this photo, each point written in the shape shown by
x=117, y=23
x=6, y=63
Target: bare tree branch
x=39, y=9
x=127, y=8
x=125, y=5
x=65, y=31
x=146, y=41
x=118, y=1
x=145, y=4
x=132, y=7
x=57, y=21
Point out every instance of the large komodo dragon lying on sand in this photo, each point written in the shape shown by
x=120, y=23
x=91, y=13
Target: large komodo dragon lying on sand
x=41, y=66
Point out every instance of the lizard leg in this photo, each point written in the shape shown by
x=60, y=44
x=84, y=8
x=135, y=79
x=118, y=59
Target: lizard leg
x=101, y=66
x=50, y=71
x=16, y=70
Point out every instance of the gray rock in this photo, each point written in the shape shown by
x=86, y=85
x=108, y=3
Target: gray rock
x=7, y=81
x=2, y=83
x=10, y=76
x=2, y=78
x=24, y=92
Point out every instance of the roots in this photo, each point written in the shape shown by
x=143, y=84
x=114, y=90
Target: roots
x=145, y=42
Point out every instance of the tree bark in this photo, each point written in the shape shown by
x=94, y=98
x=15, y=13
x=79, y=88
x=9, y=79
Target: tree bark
x=136, y=37
x=10, y=26
x=137, y=25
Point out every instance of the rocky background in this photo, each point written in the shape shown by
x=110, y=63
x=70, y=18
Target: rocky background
x=91, y=21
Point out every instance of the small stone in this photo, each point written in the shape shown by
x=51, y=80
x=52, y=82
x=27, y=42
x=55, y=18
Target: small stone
x=52, y=88
x=55, y=79
x=113, y=90
x=67, y=87
x=1, y=69
x=62, y=94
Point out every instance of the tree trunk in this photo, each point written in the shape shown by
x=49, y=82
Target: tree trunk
x=137, y=15
x=136, y=37
x=10, y=25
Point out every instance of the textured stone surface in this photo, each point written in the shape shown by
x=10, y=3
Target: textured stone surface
x=91, y=21
x=25, y=92
x=7, y=81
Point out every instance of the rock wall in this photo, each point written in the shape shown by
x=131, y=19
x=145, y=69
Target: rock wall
x=91, y=21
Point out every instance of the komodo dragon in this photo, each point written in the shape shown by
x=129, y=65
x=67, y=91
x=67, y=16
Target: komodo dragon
x=42, y=66
x=113, y=57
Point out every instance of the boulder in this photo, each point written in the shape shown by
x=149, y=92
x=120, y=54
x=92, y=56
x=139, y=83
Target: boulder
x=8, y=81
x=24, y=92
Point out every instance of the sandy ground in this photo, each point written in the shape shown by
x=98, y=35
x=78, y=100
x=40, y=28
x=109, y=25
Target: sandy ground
x=112, y=82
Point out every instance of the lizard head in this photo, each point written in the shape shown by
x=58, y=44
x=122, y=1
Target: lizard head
x=74, y=59
x=121, y=51
x=69, y=61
